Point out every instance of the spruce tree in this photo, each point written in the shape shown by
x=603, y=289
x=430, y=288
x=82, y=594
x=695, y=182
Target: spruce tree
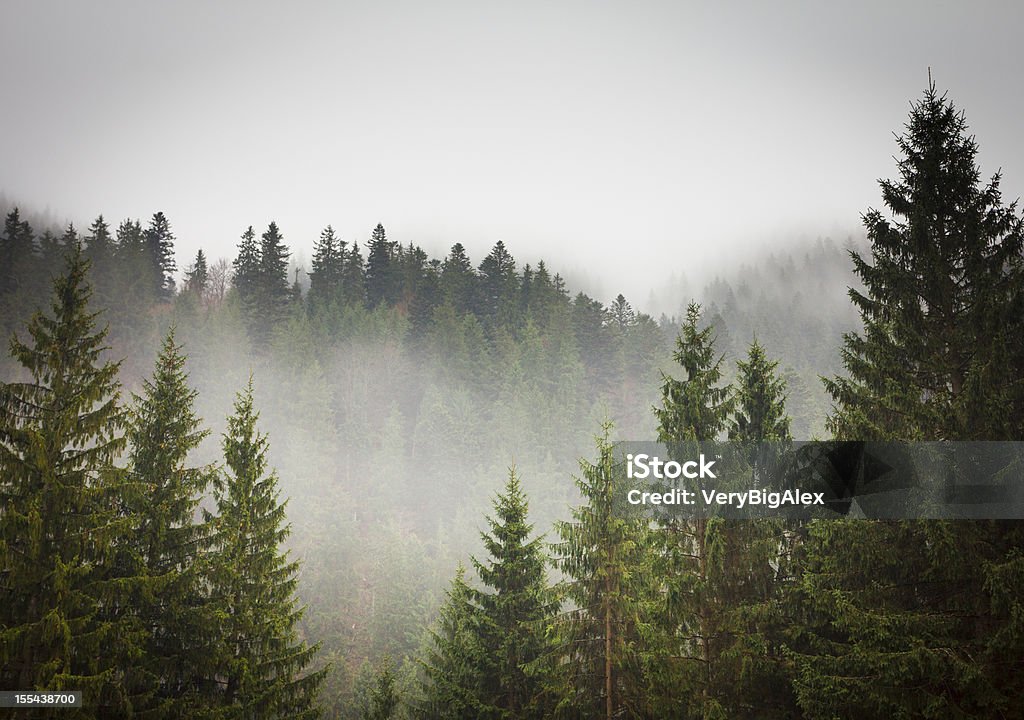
x=197, y=277
x=273, y=291
x=497, y=285
x=353, y=276
x=600, y=664
x=60, y=523
x=515, y=608
x=260, y=661
x=458, y=279
x=942, y=300
x=16, y=250
x=454, y=659
x=159, y=245
x=328, y=264
x=246, y=266
x=696, y=407
x=696, y=551
x=911, y=618
x=380, y=273
x=169, y=547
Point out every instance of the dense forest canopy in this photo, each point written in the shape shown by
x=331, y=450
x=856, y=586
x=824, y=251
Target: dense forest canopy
x=276, y=472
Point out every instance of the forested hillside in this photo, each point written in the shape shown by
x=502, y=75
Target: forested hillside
x=406, y=416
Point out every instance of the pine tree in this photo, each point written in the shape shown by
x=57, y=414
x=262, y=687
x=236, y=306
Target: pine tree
x=380, y=273
x=272, y=285
x=515, y=608
x=383, y=699
x=246, y=265
x=60, y=523
x=159, y=245
x=696, y=550
x=599, y=668
x=944, y=289
x=328, y=264
x=695, y=408
x=458, y=279
x=354, y=277
x=497, y=284
x=169, y=546
x=912, y=618
x=760, y=399
x=260, y=661
x=197, y=277
x=454, y=659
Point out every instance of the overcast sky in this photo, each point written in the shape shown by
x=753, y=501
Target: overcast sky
x=624, y=140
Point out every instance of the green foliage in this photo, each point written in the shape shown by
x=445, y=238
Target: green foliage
x=260, y=660
x=694, y=408
x=60, y=524
x=600, y=664
x=514, y=609
x=168, y=546
x=944, y=287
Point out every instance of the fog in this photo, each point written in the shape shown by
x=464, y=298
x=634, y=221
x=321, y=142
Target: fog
x=621, y=142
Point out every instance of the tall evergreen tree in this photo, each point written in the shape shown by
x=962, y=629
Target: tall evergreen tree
x=197, y=277
x=697, y=408
x=454, y=659
x=912, y=618
x=458, y=279
x=380, y=273
x=260, y=661
x=760, y=412
x=353, y=276
x=600, y=666
x=515, y=608
x=273, y=290
x=16, y=249
x=497, y=284
x=944, y=293
x=328, y=264
x=60, y=523
x=246, y=266
x=169, y=546
x=159, y=244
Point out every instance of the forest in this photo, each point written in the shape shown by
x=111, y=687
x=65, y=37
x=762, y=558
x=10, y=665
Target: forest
x=382, y=486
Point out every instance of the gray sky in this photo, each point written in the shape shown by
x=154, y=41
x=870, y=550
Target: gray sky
x=621, y=140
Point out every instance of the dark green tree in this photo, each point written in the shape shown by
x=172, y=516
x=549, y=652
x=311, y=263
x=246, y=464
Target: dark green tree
x=458, y=279
x=913, y=618
x=60, y=522
x=696, y=407
x=515, y=609
x=497, y=285
x=197, y=277
x=943, y=296
x=159, y=247
x=760, y=399
x=383, y=698
x=169, y=546
x=246, y=266
x=353, y=277
x=325, y=280
x=273, y=290
x=454, y=658
x=601, y=660
x=381, y=285
x=260, y=662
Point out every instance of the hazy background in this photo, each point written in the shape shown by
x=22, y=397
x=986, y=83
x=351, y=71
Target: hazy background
x=621, y=141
